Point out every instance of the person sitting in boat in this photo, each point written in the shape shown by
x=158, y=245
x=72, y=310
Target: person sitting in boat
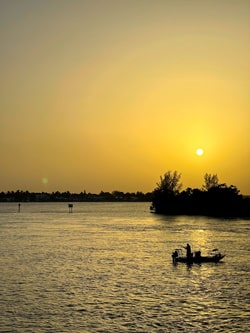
x=188, y=248
x=198, y=254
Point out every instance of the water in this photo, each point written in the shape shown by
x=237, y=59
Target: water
x=107, y=267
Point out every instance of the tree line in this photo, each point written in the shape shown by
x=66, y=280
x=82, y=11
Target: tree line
x=26, y=196
x=213, y=199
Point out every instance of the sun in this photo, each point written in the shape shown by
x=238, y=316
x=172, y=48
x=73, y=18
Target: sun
x=199, y=151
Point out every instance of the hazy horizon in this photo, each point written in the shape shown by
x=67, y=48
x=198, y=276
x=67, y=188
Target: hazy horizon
x=63, y=190
x=109, y=95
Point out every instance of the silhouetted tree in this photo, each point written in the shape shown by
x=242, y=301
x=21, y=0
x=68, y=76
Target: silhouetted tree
x=213, y=200
x=170, y=183
x=165, y=195
x=210, y=181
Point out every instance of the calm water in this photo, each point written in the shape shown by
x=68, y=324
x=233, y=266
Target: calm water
x=107, y=268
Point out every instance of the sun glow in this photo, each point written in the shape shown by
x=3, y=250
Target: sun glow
x=45, y=180
x=199, y=151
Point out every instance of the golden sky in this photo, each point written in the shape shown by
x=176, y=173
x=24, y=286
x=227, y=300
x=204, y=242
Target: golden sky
x=110, y=94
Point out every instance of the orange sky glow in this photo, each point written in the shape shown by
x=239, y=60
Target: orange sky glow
x=109, y=95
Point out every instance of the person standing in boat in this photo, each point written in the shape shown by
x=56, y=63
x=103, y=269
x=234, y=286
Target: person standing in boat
x=188, y=248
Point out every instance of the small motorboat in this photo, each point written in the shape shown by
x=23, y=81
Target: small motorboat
x=196, y=258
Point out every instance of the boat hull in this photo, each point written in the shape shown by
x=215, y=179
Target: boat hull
x=199, y=260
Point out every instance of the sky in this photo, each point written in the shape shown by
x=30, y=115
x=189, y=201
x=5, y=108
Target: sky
x=104, y=95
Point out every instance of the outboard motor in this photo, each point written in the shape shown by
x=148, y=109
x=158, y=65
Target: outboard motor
x=174, y=255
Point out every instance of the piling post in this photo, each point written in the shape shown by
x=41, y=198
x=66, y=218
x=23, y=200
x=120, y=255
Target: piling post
x=70, y=208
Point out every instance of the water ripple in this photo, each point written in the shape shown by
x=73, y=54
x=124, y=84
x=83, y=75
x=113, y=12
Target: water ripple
x=82, y=273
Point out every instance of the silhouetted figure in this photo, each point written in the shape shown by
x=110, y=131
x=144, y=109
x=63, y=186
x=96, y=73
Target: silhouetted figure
x=198, y=254
x=19, y=208
x=188, y=248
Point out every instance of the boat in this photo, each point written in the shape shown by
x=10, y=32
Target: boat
x=196, y=258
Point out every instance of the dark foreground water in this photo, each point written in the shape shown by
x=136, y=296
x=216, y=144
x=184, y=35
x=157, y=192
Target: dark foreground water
x=107, y=267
